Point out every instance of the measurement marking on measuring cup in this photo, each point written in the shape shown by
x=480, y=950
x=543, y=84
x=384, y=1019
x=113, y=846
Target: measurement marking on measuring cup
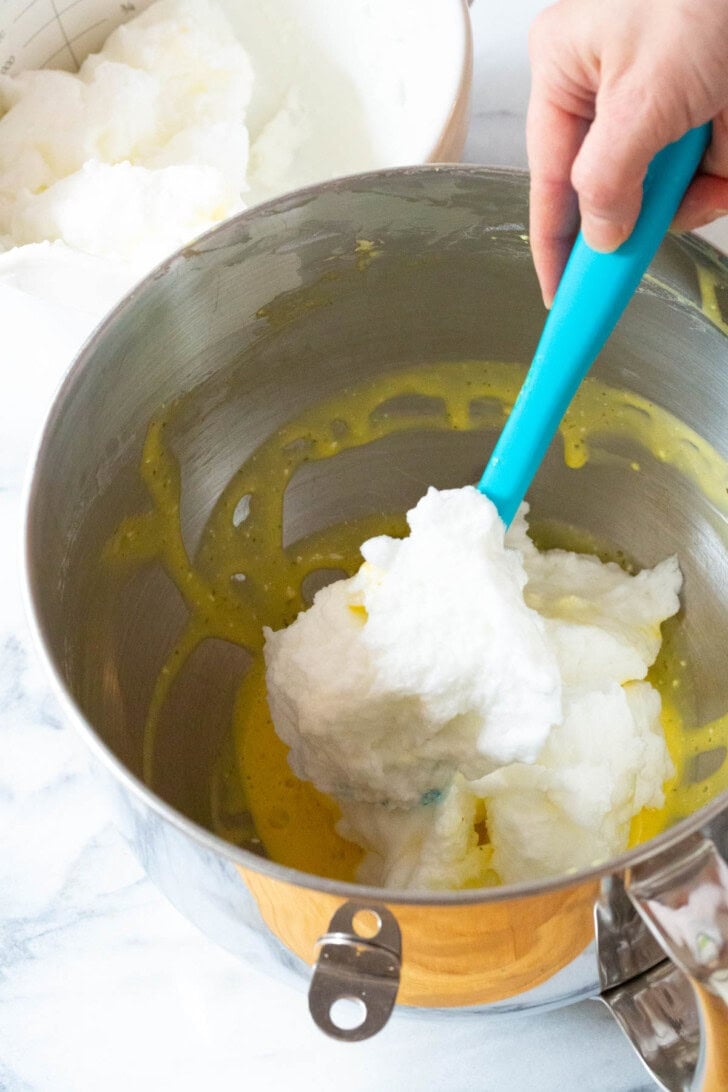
x=22, y=11
x=63, y=32
x=53, y=19
x=55, y=33
x=75, y=4
x=69, y=42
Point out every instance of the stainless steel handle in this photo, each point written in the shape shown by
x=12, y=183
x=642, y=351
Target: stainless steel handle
x=657, y=1012
x=682, y=895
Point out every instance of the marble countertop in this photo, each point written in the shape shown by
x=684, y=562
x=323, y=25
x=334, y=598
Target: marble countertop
x=104, y=987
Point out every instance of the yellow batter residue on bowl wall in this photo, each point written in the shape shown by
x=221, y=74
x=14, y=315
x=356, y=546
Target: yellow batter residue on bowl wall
x=242, y=577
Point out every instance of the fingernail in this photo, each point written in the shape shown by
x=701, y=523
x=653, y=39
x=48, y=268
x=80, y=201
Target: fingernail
x=603, y=235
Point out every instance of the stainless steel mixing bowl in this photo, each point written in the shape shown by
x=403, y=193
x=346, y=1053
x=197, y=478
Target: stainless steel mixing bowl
x=453, y=280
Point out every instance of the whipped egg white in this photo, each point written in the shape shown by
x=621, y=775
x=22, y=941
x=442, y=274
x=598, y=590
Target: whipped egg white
x=474, y=705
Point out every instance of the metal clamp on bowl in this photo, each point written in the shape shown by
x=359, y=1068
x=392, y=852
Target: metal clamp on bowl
x=356, y=978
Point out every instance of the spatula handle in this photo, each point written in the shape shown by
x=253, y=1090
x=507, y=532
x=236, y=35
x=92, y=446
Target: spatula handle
x=594, y=291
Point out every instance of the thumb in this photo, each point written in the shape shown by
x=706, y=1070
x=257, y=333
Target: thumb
x=610, y=169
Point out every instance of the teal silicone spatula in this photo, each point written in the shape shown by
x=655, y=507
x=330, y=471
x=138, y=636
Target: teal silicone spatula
x=593, y=292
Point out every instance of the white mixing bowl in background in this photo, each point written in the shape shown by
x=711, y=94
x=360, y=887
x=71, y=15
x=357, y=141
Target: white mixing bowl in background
x=381, y=83
x=387, y=82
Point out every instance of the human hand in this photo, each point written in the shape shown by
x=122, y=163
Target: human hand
x=612, y=84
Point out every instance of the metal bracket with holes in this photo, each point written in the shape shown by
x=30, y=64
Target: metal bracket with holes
x=359, y=961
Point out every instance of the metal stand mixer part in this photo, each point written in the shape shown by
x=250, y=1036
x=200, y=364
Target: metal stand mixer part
x=674, y=1015
x=658, y=1014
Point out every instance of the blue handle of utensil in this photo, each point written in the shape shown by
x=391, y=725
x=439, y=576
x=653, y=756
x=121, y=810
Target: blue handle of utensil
x=593, y=292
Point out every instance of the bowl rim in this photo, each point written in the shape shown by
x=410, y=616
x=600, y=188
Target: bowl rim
x=204, y=838
x=461, y=100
